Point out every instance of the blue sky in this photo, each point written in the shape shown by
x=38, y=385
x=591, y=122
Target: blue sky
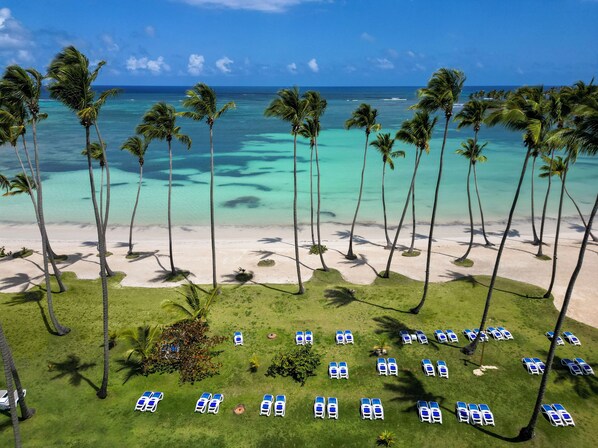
x=309, y=42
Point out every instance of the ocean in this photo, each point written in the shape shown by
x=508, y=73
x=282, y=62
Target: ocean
x=254, y=165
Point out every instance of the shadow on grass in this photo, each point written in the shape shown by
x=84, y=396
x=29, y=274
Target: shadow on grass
x=585, y=386
x=484, y=430
x=475, y=281
x=130, y=368
x=341, y=296
x=273, y=288
x=409, y=388
x=71, y=367
x=392, y=327
x=36, y=296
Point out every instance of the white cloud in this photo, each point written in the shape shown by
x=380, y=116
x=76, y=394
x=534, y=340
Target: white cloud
x=109, y=42
x=12, y=34
x=255, y=5
x=292, y=67
x=479, y=64
x=420, y=67
x=150, y=31
x=223, y=64
x=24, y=56
x=384, y=64
x=411, y=54
x=195, y=65
x=367, y=37
x=154, y=66
x=313, y=65
x=393, y=53
x=4, y=16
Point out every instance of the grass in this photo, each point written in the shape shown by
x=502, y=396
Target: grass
x=61, y=374
x=23, y=253
x=413, y=253
x=467, y=263
x=268, y=262
x=543, y=257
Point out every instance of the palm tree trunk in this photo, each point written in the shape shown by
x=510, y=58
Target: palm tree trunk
x=102, y=192
x=384, y=207
x=109, y=272
x=301, y=288
x=394, y=243
x=541, y=243
x=470, y=349
x=580, y=214
x=172, y=269
x=212, y=230
x=412, y=247
x=350, y=255
x=4, y=352
x=556, y=235
x=464, y=257
x=475, y=181
x=311, y=193
x=135, y=209
x=528, y=432
x=536, y=239
x=417, y=309
x=318, y=210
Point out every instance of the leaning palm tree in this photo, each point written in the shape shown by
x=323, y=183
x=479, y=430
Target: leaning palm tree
x=417, y=132
x=97, y=153
x=141, y=341
x=441, y=93
x=160, y=123
x=71, y=83
x=193, y=307
x=290, y=107
x=202, y=102
x=362, y=117
x=472, y=151
x=4, y=355
x=383, y=145
x=137, y=147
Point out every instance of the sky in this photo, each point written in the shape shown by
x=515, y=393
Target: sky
x=309, y=42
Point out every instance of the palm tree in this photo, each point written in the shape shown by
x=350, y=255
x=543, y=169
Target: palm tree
x=472, y=151
x=141, y=340
x=193, y=307
x=383, y=145
x=442, y=93
x=202, y=102
x=71, y=84
x=309, y=130
x=362, y=117
x=21, y=183
x=417, y=132
x=290, y=107
x=160, y=123
x=4, y=355
x=137, y=148
x=4, y=183
x=97, y=153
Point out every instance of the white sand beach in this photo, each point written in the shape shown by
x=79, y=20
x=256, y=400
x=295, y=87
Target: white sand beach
x=239, y=246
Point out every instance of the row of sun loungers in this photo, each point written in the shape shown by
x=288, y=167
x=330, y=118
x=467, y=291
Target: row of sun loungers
x=419, y=335
x=534, y=366
x=321, y=408
x=577, y=366
x=302, y=338
x=557, y=415
x=500, y=333
x=429, y=412
x=372, y=409
x=441, y=366
x=208, y=402
x=569, y=337
x=279, y=405
x=474, y=414
x=148, y=402
x=446, y=336
x=338, y=370
x=344, y=337
x=472, y=334
x=387, y=367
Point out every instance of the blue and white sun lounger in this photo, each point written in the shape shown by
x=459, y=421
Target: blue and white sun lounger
x=506, y=333
x=462, y=412
x=421, y=337
x=442, y=369
x=214, y=404
x=585, y=367
x=202, y=402
x=559, y=340
x=319, y=407
x=266, y=406
x=309, y=338
x=452, y=336
x=436, y=412
x=349, y=337
x=238, y=338
x=333, y=371
x=152, y=403
x=553, y=416
x=440, y=336
x=483, y=336
x=531, y=366
x=280, y=405
x=393, y=368
x=332, y=407
x=475, y=416
x=406, y=337
x=496, y=334
x=377, y=409
x=366, y=409
x=299, y=338
x=564, y=414
x=428, y=367
x=142, y=401
x=469, y=334
x=487, y=415
x=571, y=338
x=424, y=411
x=343, y=370
x=539, y=364
x=574, y=369
x=381, y=366
x=340, y=337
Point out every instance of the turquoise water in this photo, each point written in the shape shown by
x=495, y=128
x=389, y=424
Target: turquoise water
x=254, y=165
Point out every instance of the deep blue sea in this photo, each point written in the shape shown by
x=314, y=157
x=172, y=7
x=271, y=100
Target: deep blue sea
x=254, y=164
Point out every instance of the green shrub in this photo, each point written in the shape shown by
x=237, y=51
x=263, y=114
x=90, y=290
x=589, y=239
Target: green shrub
x=386, y=438
x=3, y=252
x=23, y=253
x=268, y=262
x=254, y=363
x=299, y=364
x=317, y=249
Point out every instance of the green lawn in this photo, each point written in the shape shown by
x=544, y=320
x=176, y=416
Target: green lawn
x=60, y=373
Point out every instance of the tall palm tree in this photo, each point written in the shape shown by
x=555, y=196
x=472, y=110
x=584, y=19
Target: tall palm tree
x=4, y=349
x=417, y=132
x=71, y=83
x=309, y=130
x=290, y=107
x=137, y=147
x=441, y=93
x=362, y=117
x=160, y=123
x=202, y=102
x=472, y=151
x=383, y=145
x=97, y=153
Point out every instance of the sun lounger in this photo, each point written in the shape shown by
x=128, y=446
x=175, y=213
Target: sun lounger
x=343, y=370
x=406, y=337
x=483, y=336
x=585, y=367
x=553, y=416
x=202, y=402
x=531, y=366
x=393, y=368
x=299, y=338
x=332, y=407
x=266, y=406
x=319, y=407
x=559, y=340
x=452, y=336
x=424, y=411
x=506, y=333
x=442, y=369
x=421, y=337
x=462, y=412
x=366, y=409
x=571, y=338
x=238, y=338
x=440, y=336
x=152, y=403
x=4, y=402
x=564, y=414
x=539, y=364
x=469, y=334
x=428, y=367
x=309, y=338
x=475, y=416
x=436, y=412
x=333, y=371
x=574, y=369
x=381, y=366
x=139, y=406
x=496, y=334
x=487, y=415
x=377, y=409
x=340, y=337
x=280, y=405
x=214, y=404
x=349, y=337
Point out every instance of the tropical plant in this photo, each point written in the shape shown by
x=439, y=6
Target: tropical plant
x=160, y=123
x=290, y=107
x=137, y=147
x=20, y=184
x=386, y=438
x=381, y=347
x=4, y=183
x=441, y=93
x=362, y=117
x=202, y=102
x=299, y=363
x=141, y=341
x=416, y=132
x=193, y=307
x=383, y=145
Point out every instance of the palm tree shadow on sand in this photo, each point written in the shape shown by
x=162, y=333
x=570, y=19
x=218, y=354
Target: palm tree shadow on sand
x=357, y=239
x=72, y=368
